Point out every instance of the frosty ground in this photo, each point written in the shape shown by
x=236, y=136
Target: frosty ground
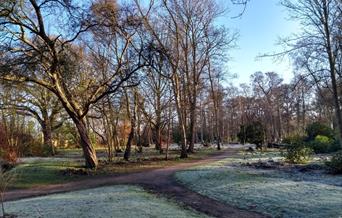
x=278, y=192
x=112, y=201
x=231, y=177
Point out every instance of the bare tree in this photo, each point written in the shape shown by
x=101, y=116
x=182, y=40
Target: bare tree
x=317, y=47
x=39, y=103
x=266, y=88
x=216, y=94
x=155, y=89
x=189, y=40
x=61, y=66
x=132, y=110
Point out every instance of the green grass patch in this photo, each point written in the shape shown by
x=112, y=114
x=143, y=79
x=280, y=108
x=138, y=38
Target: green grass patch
x=43, y=172
x=112, y=201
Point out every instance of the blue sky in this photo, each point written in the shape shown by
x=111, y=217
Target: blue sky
x=260, y=27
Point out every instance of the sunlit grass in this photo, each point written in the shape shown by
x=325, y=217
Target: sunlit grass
x=43, y=172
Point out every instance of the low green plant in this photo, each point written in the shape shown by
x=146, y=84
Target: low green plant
x=323, y=139
x=323, y=144
x=335, y=164
x=319, y=144
x=317, y=128
x=298, y=154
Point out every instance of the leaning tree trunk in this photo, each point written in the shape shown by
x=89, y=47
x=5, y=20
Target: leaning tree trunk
x=88, y=149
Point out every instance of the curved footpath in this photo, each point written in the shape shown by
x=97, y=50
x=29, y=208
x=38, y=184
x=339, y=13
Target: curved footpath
x=159, y=181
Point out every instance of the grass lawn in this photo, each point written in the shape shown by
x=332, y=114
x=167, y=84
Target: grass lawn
x=112, y=201
x=272, y=192
x=43, y=171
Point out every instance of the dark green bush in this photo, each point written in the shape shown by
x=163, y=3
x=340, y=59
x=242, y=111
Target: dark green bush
x=323, y=144
x=298, y=154
x=37, y=150
x=316, y=128
x=335, y=164
x=319, y=143
x=323, y=139
x=30, y=146
x=177, y=136
x=252, y=133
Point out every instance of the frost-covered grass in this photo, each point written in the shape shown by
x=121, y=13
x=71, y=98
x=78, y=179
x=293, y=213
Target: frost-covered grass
x=114, y=201
x=274, y=192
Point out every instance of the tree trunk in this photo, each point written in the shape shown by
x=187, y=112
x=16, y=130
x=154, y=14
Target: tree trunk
x=128, y=149
x=168, y=134
x=332, y=62
x=280, y=125
x=181, y=115
x=192, y=128
x=216, y=110
x=184, y=153
x=337, y=105
x=47, y=136
x=133, y=118
x=157, y=137
x=88, y=149
x=217, y=127
x=159, y=140
x=218, y=134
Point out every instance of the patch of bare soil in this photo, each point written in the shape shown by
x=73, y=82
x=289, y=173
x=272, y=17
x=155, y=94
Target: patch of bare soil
x=158, y=181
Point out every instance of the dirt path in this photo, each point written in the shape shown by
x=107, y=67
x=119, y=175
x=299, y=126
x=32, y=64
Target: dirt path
x=158, y=181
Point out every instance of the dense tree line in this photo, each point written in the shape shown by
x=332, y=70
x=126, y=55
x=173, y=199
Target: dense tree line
x=134, y=74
